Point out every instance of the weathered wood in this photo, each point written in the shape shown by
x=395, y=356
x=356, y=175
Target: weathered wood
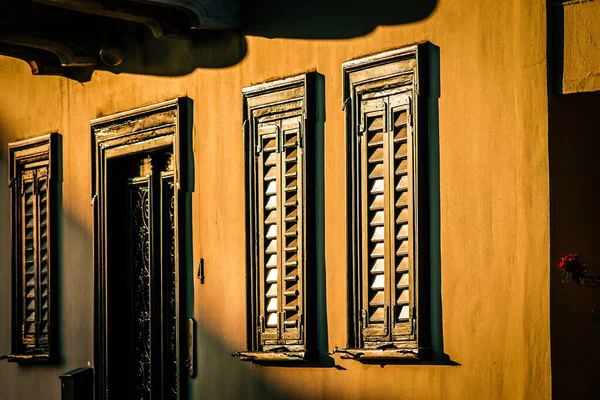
x=34, y=182
x=384, y=218
x=279, y=208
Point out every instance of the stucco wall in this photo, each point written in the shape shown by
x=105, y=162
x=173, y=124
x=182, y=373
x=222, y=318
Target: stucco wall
x=578, y=41
x=493, y=155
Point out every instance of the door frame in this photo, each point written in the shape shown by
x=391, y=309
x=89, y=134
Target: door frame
x=147, y=128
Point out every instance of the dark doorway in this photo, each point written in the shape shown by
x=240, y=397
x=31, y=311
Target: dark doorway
x=140, y=303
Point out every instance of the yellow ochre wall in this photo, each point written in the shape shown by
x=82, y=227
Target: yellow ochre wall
x=494, y=208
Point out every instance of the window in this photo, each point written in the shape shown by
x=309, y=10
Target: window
x=33, y=183
x=279, y=127
x=387, y=210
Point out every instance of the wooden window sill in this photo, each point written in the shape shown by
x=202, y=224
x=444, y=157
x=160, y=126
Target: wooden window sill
x=267, y=357
x=373, y=355
x=26, y=358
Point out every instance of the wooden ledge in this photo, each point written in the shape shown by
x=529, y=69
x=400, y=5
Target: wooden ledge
x=373, y=355
x=266, y=357
x=26, y=358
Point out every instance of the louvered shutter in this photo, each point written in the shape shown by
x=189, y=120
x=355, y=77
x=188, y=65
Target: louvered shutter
x=386, y=198
x=374, y=148
x=29, y=258
x=269, y=208
x=401, y=268
x=34, y=261
x=33, y=189
x=278, y=120
x=42, y=197
x=387, y=103
x=292, y=242
x=280, y=185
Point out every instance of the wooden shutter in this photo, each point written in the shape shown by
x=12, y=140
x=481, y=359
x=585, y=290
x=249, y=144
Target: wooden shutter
x=29, y=258
x=292, y=235
x=280, y=187
x=34, y=261
x=44, y=300
x=374, y=148
x=280, y=262
x=387, y=208
x=387, y=101
x=269, y=207
x=401, y=268
x=34, y=178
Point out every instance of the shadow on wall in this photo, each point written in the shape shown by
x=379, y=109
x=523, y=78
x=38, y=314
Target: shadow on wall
x=311, y=19
x=574, y=221
x=147, y=55
x=219, y=372
x=327, y=19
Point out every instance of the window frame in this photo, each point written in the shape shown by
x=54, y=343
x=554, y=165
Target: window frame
x=389, y=71
x=266, y=99
x=39, y=152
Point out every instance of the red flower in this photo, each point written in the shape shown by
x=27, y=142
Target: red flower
x=570, y=263
x=573, y=267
